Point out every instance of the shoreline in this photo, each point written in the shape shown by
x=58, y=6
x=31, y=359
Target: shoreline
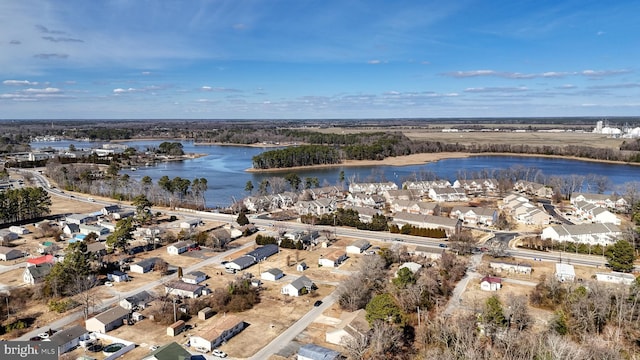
x=419, y=159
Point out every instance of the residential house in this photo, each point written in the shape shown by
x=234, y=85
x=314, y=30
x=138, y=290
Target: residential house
x=6, y=236
x=71, y=229
x=366, y=200
x=79, y=218
x=117, y=276
x=358, y=246
x=7, y=253
x=402, y=194
x=365, y=214
x=68, y=339
x=616, y=278
x=353, y=325
x=258, y=203
x=272, y=274
x=447, y=194
x=110, y=209
x=510, y=268
x=137, y=301
x=220, y=331
x=316, y=352
x=592, y=234
x=194, y=277
x=179, y=247
x=183, y=289
x=97, y=249
x=604, y=216
x=475, y=215
x=477, y=186
x=372, y=188
x=316, y=207
x=594, y=213
x=490, y=283
x=450, y=226
x=412, y=266
x=602, y=200
x=122, y=214
x=329, y=192
x=44, y=259
x=107, y=320
x=144, y=266
x=170, y=351
x=565, y=272
x=240, y=263
x=533, y=189
x=532, y=215
x=190, y=224
x=88, y=229
x=299, y=286
x=427, y=252
x=423, y=187
x=47, y=247
x=18, y=230
x=36, y=274
x=332, y=258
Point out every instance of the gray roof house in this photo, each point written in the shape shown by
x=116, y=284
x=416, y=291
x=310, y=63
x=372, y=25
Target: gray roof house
x=298, y=286
x=36, y=274
x=107, y=320
x=194, y=277
x=272, y=274
x=139, y=300
x=69, y=338
x=170, y=351
x=7, y=253
x=240, y=263
x=143, y=266
x=263, y=252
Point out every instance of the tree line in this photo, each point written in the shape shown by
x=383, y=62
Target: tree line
x=23, y=204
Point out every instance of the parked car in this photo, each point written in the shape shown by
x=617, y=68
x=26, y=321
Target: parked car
x=317, y=303
x=153, y=347
x=219, y=353
x=194, y=248
x=442, y=245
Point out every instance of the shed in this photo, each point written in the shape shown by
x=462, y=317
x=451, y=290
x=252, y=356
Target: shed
x=205, y=313
x=175, y=328
x=272, y=274
x=358, y=247
x=490, y=283
x=301, y=266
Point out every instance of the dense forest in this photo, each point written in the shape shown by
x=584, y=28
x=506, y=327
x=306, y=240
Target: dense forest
x=23, y=204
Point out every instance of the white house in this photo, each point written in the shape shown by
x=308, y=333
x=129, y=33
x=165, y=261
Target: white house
x=475, y=215
x=447, y=194
x=117, y=276
x=616, y=278
x=107, y=320
x=18, y=230
x=372, y=188
x=510, y=268
x=221, y=330
x=565, y=272
x=490, y=283
x=143, y=266
x=332, y=258
x=36, y=274
x=183, y=289
x=603, y=234
x=272, y=274
x=68, y=339
x=297, y=287
x=179, y=247
x=139, y=300
x=189, y=223
x=414, y=267
x=358, y=247
x=194, y=277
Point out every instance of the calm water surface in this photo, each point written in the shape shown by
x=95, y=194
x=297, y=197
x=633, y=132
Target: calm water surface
x=224, y=168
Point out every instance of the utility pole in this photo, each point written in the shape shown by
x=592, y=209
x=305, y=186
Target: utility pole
x=175, y=316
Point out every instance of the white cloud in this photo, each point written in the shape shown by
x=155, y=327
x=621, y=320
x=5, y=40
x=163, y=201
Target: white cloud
x=20, y=82
x=374, y=62
x=48, y=90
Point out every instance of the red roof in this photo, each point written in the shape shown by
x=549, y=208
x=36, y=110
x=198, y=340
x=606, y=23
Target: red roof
x=41, y=260
x=492, y=279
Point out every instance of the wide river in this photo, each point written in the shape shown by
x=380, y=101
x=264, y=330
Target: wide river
x=224, y=168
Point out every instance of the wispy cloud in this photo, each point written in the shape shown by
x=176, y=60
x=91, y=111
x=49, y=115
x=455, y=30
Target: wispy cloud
x=61, y=39
x=15, y=42
x=615, y=86
x=20, y=82
x=51, y=56
x=548, y=74
x=44, y=29
x=495, y=89
x=219, y=89
x=35, y=94
x=146, y=89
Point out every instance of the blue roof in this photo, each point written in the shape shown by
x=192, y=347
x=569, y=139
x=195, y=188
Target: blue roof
x=263, y=252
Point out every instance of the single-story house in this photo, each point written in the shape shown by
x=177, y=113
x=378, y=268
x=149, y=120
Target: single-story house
x=490, y=283
x=97, y=248
x=427, y=252
x=7, y=253
x=110, y=209
x=194, y=277
x=139, y=300
x=221, y=330
x=79, y=218
x=351, y=324
x=316, y=352
x=170, y=351
x=179, y=247
x=240, y=263
x=36, y=274
x=412, y=266
x=565, y=272
x=69, y=338
x=332, y=258
x=70, y=229
x=183, y=289
x=272, y=274
x=143, y=266
x=6, y=236
x=117, y=276
x=44, y=259
x=107, y=320
x=47, y=247
x=189, y=224
x=510, y=268
x=592, y=234
x=616, y=278
x=18, y=230
x=358, y=247
x=263, y=252
x=299, y=286
x=88, y=229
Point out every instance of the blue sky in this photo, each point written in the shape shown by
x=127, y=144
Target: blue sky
x=318, y=59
